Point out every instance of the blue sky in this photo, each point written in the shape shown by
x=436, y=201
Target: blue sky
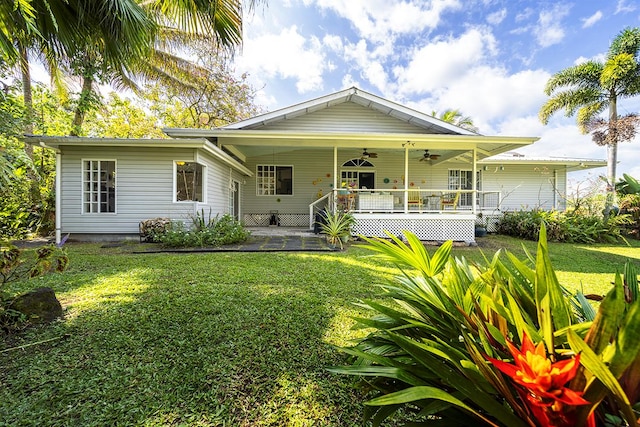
x=488, y=58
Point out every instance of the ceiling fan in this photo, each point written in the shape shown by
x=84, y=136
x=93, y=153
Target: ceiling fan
x=367, y=155
x=427, y=156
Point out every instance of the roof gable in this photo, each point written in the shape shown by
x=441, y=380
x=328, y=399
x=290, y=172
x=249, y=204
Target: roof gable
x=350, y=110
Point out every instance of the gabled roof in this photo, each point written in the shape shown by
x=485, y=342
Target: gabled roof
x=356, y=96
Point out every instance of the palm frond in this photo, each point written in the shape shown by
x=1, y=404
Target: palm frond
x=585, y=75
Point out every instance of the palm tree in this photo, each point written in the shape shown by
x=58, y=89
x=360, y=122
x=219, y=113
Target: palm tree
x=592, y=87
x=455, y=117
x=113, y=40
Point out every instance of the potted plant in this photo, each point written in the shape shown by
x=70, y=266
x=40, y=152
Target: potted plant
x=337, y=227
x=481, y=226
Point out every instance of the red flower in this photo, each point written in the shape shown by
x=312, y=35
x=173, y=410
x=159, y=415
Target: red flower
x=544, y=382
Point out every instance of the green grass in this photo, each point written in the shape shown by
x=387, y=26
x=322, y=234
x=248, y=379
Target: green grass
x=216, y=339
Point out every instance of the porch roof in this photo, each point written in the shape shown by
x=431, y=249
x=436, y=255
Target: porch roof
x=56, y=142
x=448, y=146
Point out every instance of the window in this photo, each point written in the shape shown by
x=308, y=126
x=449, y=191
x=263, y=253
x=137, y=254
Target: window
x=463, y=180
x=274, y=180
x=99, y=186
x=358, y=178
x=189, y=182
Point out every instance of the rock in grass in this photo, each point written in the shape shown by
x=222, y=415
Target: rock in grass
x=39, y=305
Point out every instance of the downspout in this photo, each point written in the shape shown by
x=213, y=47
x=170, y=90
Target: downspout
x=58, y=184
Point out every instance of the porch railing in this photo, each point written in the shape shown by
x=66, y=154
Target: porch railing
x=412, y=200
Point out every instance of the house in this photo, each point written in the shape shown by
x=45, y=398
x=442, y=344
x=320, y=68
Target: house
x=393, y=167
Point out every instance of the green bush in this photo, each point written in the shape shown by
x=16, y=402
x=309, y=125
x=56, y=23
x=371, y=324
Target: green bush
x=499, y=343
x=563, y=227
x=216, y=231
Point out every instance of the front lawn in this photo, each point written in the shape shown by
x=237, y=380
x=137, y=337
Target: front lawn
x=212, y=339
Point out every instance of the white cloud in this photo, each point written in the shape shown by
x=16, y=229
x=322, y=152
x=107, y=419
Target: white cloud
x=370, y=67
x=496, y=18
x=377, y=20
x=548, y=30
x=435, y=65
x=590, y=21
x=623, y=7
x=285, y=55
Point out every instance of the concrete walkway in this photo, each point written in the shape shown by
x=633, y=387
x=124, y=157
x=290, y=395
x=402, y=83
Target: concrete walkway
x=270, y=239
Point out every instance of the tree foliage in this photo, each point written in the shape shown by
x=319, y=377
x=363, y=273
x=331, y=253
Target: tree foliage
x=455, y=117
x=214, y=97
x=589, y=89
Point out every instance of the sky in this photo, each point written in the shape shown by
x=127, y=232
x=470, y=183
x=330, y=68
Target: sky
x=488, y=58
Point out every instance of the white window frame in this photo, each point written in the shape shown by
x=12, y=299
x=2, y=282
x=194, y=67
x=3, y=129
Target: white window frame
x=98, y=193
x=175, y=182
x=456, y=184
x=269, y=181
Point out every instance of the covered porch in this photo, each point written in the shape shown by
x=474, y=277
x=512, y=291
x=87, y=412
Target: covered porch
x=432, y=214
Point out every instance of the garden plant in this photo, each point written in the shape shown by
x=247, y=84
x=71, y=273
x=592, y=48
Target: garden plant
x=505, y=345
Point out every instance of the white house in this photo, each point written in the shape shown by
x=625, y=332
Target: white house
x=393, y=167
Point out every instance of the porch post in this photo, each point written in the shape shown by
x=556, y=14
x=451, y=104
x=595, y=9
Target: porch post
x=474, y=184
x=335, y=176
x=406, y=177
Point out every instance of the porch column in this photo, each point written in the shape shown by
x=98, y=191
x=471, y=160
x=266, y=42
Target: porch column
x=335, y=177
x=335, y=167
x=474, y=184
x=406, y=177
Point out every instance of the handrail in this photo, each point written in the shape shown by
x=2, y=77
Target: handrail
x=312, y=206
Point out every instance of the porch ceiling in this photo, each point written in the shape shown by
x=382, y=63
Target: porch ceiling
x=448, y=146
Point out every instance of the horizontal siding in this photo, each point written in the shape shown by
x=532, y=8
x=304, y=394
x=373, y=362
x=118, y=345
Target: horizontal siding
x=314, y=165
x=526, y=186
x=345, y=117
x=144, y=188
x=521, y=185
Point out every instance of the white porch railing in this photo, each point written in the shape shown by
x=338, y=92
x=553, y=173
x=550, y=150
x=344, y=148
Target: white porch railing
x=413, y=200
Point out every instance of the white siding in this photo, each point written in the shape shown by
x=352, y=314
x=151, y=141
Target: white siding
x=144, y=188
x=346, y=117
x=527, y=186
x=311, y=166
x=522, y=186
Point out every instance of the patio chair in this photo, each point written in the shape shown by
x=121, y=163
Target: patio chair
x=414, y=199
x=450, y=200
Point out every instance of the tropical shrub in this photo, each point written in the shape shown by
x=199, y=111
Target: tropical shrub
x=630, y=205
x=504, y=345
x=563, y=227
x=337, y=227
x=216, y=231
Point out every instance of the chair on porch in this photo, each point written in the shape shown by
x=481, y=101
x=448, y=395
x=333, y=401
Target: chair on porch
x=450, y=200
x=414, y=198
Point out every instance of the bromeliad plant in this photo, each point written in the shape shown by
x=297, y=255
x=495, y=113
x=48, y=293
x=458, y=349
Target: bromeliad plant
x=506, y=346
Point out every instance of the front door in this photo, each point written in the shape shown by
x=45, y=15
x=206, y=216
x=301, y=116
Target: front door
x=359, y=179
x=367, y=179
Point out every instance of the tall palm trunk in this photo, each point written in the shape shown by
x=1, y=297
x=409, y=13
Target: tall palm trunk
x=83, y=105
x=612, y=155
x=25, y=73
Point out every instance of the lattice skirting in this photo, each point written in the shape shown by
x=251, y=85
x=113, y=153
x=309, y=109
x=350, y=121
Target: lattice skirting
x=438, y=227
x=286, y=219
x=492, y=220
